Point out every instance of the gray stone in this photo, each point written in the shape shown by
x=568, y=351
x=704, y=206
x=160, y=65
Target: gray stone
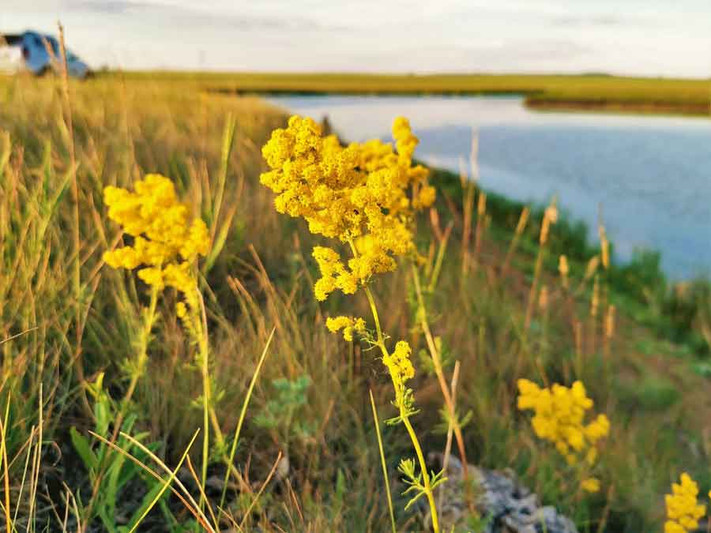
x=507, y=506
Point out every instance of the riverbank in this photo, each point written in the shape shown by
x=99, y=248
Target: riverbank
x=678, y=311
x=602, y=105
x=595, y=92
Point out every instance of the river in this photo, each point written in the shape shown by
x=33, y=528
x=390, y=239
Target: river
x=649, y=176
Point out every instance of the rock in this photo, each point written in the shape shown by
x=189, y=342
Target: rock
x=504, y=504
x=282, y=471
x=215, y=483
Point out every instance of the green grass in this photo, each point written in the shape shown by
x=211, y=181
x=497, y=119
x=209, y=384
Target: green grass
x=65, y=371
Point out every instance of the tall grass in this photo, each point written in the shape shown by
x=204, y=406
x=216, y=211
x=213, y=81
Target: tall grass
x=304, y=455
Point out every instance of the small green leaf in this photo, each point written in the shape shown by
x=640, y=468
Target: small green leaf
x=83, y=448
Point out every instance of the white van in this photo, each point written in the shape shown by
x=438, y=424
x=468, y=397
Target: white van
x=41, y=54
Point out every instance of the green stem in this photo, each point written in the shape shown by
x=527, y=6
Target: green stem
x=383, y=463
x=243, y=414
x=209, y=415
x=141, y=356
x=423, y=468
x=206, y=402
x=137, y=373
x=404, y=416
x=534, y=287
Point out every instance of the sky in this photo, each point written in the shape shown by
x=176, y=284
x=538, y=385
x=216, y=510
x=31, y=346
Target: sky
x=635, y=37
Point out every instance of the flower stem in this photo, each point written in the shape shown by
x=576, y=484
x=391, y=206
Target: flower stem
x=383, y=462
x=141, y=356
x=203, y=354
x=405, y=417
x=423, y=467
x=137, y=373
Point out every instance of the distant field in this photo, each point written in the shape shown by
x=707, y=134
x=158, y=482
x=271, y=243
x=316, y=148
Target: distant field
x=593, y=92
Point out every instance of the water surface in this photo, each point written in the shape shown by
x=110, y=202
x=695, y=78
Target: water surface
x=649, y=176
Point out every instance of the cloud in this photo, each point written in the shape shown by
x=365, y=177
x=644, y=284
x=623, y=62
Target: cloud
x=372, y=35
x=494, y=56
x=189, y=15
x=601, y=20
x=111, y=7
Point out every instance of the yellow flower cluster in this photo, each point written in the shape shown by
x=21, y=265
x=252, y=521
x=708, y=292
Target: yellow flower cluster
x=560, y=419
x=591, y=485
x=362, y=194
x=347, y=324
x=166, y=241
x=683, y=509
x=334, y=274
x=401, y=370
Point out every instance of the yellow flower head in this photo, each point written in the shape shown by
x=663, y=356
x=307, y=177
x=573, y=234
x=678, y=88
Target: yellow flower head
x=347, y=324
x=365, y=193
x=683, y=509
x=400, y=369
x=160, y=224
x=591, y=485
x=334, y=274
x=559, y=417
x=166, y=241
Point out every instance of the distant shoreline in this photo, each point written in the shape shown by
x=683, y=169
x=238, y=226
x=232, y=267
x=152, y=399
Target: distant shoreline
x=691, y=109
x=593, y=92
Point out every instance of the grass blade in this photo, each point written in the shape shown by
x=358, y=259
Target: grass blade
x=165, y=486
x=383, y=462
x=243, y=413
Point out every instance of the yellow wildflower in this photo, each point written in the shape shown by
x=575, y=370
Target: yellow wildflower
x=563, y=265
x=152, y=276
x=160, y=224
x=683, y=509
x=604, y=247
x=361, y=191
x=559, y=417
x=334, y=274
x=400, y=369
x=166, y=242
x=591, y=485
x=365, y=195
x=425, y=197
x=347, y=324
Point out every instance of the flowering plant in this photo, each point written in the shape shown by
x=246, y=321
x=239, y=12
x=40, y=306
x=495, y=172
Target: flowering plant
x=559, y=417
x=167, y=243
x=365, y=196
x=683, y=509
